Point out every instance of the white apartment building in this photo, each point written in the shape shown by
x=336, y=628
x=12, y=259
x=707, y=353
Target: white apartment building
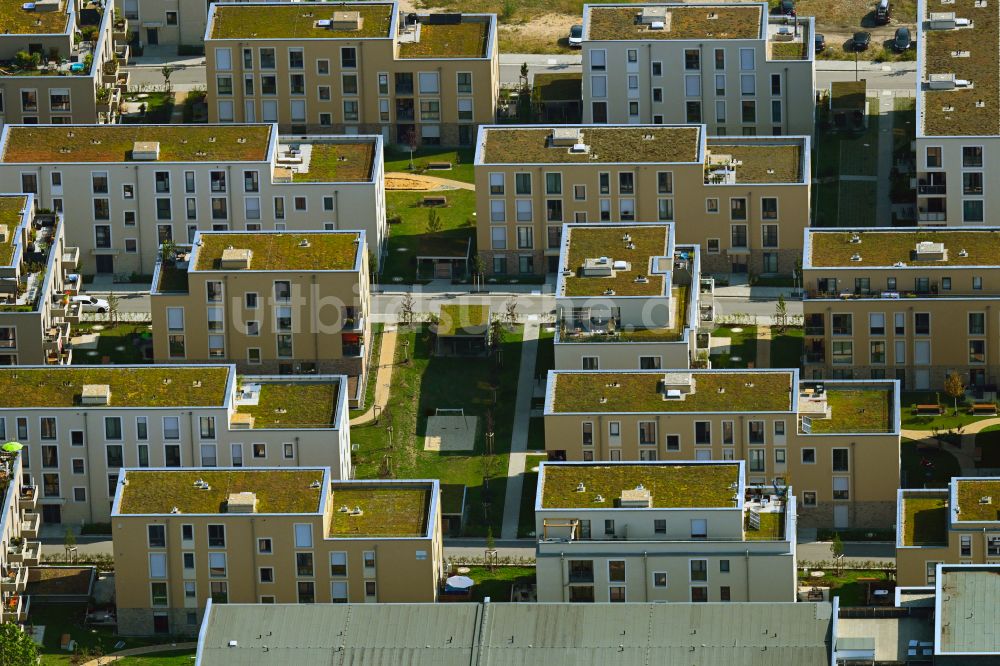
x=728, y=65
x=661, y=531
x=80, y=425
x=126, y=189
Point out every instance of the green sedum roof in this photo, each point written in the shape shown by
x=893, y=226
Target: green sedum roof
x=283, y=251
x=675, y=486
x=297, y=21
x=11, y=212
x=388, y=510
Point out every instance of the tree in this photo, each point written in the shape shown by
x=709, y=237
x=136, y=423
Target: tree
x=837, y=549
x=781, y=313
x=166, y=71
x=406, y=308
x=113, y=308
x=433, y=221
x=510, y=311
x=168, y=251
x=478, y=264
x=69, y=542
x=16, y=647
x=954, y=387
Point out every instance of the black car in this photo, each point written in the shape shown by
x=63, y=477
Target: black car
x=902, y=40
x=787, y=7
x=819, y=41
x=861, y=40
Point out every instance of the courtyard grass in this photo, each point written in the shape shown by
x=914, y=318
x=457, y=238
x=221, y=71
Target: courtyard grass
x=945, y=421
x=429, y=382
x=988, y=441
x=159, y=108
x=925, y=466
x=849, y=585
x=176, y=658
x=59, y=619
x=397, y=158
x=845, y=153
x=742, y=347
x=786, y=347
x=409, y=237
x=121, y=345
x=526, y=518
x=497, y=584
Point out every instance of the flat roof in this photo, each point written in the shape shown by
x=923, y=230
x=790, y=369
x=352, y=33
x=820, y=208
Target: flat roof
x=388, y=509
x=293, y=403
x=342, y=161
x=24, y=387
x=463, y=319
x=640, y=392
x=972, y=496
x=32, y=144
x=671, y=486
x=715, y=21
x=592, y=241
x=762, y=161
x=290, y=490
x=296, y=21
x=12, y=208
x=653, y=144
x=968, y=613
x=16, y=20
x=503, y=634
x=963, y=111
x=889, y=247
x=282, y=251
x=858, y=408
x=466, y=39
x=924, y=518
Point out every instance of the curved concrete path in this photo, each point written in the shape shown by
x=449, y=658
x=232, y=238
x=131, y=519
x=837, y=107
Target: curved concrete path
x=382, y=379
x=966, y=452
x=141, y=651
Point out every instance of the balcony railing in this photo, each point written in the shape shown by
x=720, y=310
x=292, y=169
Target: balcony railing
x=932, y=189
x=29, y=497
x=30, y=523
x=815, y=330
x=815, y=357
x=15, y=607
x=924, y=216
x=14, y=579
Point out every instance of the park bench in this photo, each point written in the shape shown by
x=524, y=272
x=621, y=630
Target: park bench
x=988, y=408
x=435, y=201
x=439, y=166
x=927, y=409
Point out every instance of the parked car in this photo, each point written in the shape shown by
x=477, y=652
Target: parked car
x=820, y=42
x=861, y=40
x=882, y=14
x=787, y=7
x=902, y=40
x=576, y=36
x=91, y=304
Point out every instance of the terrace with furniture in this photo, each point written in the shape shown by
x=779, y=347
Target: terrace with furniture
x=18, y=551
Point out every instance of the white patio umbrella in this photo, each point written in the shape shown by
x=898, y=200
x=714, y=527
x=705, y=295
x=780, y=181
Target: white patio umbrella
x=460, y=582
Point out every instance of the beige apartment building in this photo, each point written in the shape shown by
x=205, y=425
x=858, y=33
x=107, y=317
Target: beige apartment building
x=80, y=425
x=19, y=548
x=126, y=189
x=906, y=303
x=36, y=282
x=272, y=302
x=661, y=531
x=627, y=298
x=71, y=74
x=835, y=442
x=268, y=536
x=730, y=66
x=414, y=78
x=744, y=200
x=959, y=524
x=958, y=113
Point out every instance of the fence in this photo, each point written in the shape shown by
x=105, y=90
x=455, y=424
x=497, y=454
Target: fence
x=122, y=317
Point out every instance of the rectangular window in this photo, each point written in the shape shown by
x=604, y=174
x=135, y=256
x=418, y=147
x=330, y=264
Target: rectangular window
x=841, y=460
x=702, y=432
x=699, y=571
x=216, y=536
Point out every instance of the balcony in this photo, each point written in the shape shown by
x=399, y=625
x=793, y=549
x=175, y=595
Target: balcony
x=815, y=357
x=56, y=337
x=122, y=53
x=819, y=330
x=30, y=522
x=15, y=608
x=107, y=100
x=71, y=258
x=925, y=216
x=120, y=29
x=29, y=498
x=109, y=71
x=14, y=580
x=931, y=189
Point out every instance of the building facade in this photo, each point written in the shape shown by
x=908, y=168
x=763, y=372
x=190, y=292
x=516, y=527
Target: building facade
x=289, y=535
x=959, y=524
x=958, y=116
x=627, y=298
x=661, y=531
x=81, y=425
x=421, y=79
x=64, y=78
x=835, y=442
x=910, y=304
x=743, y=200
x=727, y=65
x=19, y=548
x=36, y=316
x=278, y=302
x=134, y=187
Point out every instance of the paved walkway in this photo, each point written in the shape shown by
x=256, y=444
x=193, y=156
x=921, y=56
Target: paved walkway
x=383, y=378
x=966, y=452
x=139, y=651
x=436, y=181
x=763, y=346
x=519, y=439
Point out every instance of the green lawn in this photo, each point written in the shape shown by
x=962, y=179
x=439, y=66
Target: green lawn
x=856, y=203
x=526, y=522
x=946, y=421
x=410, y=238
x=989, y=440
x=928, y=467
x=428, y=382
x=743, y=344
x=786, y=348
x=536, y=433
x=461, y=162
x=166, y=659
x=845, y=153
x=849, y=585
x=497, y=584
x=68, y=619
x=119, y=343
x=159, y=108
x=545, y=358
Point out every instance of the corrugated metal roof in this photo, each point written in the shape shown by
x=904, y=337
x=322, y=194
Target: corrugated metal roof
x=750, y=634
